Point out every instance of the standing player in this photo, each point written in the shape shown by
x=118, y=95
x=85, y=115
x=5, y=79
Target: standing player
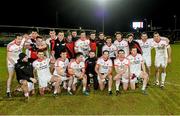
x=104, y=71
x=137, y=70
x=41, y=66
x=93, y=41
x=121, y=65
x=14, y=48
x=76, y=69
x=132, y=43
x=110, y=47
x=162, y=57
x=82, y=45
x=70, y=46
x=146, y=46
x=100, y=44
x=120, y=43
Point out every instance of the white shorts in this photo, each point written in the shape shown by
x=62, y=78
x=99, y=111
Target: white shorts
x=161, y=62
x=147, y=60
x=10, y=66
x=103, y=80
x=30, y=85
x=43, y=81
x=63, y=78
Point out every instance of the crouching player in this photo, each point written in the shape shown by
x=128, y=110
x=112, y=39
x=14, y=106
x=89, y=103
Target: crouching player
x=121, y=64
x=76, y=69
x=41, y=66
x=24, y=74
x=137, y=70
x=60, y=74
x=104, y=70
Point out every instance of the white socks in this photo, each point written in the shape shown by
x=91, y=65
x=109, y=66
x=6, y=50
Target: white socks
x=117, y=85
x=163, y=77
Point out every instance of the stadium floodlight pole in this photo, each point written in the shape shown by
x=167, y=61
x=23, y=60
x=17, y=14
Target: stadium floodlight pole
x=102, y=2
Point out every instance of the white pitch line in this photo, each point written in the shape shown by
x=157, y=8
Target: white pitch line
x=172, y=84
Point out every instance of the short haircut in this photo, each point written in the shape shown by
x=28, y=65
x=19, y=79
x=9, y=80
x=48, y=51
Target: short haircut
x=78, y=54
x=63, y=51
x=82, y=31
x=39, y=50
x=121, y=50
x=92, y=32
x=40, y=37
x=101, y=33
x=52, y=30
x=143, y=33
x=34, y=30
x=91, y=51
x=130, y=34
x=108, y=37
x=155, y=33
x=73, y=31
x=18, y=35
x=118, y=33
x=105, y=51
x=61, y=32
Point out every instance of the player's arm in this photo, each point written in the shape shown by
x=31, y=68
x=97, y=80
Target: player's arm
x=143, y=66
x=110, y=70
x=169, y=50
x=59, y=70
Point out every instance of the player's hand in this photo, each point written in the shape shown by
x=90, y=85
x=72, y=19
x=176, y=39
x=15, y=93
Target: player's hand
x=169, y=60
x=33, y=80
x=90, y=75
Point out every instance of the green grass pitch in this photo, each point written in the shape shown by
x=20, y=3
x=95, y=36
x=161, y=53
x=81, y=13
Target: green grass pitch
x=157, y=102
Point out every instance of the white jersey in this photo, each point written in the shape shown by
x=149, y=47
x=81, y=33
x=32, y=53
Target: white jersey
x=104, y=66
x=146, y=47
x=77, y=67
x=82, y=46
x=14, y=51
x=48, y=42
x=122, y=45
x=112, y=50
x=161, y=49
x=121, y=64
x=42, y=68
x=135, y=63
x=63, y=64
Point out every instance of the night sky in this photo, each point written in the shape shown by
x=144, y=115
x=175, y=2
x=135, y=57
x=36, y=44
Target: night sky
x=88, y=13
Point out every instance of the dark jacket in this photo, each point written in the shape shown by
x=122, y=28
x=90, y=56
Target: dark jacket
x=59, y=46
x=24, y=71
x=90, y=65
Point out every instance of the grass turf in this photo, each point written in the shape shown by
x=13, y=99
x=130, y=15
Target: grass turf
x=157, y=102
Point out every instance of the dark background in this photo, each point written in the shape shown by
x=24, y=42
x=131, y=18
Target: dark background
x=118, y=14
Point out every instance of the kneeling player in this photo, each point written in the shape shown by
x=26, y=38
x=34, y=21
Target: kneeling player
x=24, y=74
x=136, y=62
x=121, y=65
x=41, y=66
x=76, y=69
x=104, y=70
x=60, y=75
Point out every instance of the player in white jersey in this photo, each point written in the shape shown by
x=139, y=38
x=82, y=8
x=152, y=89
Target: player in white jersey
x=120, y=43
x=60, y=73
x=137, y=69
x=41, y=67
x=104, y=70
x=146, y=46
x=162, y=57
x=110, y=47
x=76, y=69
x=14, y=48
x=82, y=45
x=121, y=65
